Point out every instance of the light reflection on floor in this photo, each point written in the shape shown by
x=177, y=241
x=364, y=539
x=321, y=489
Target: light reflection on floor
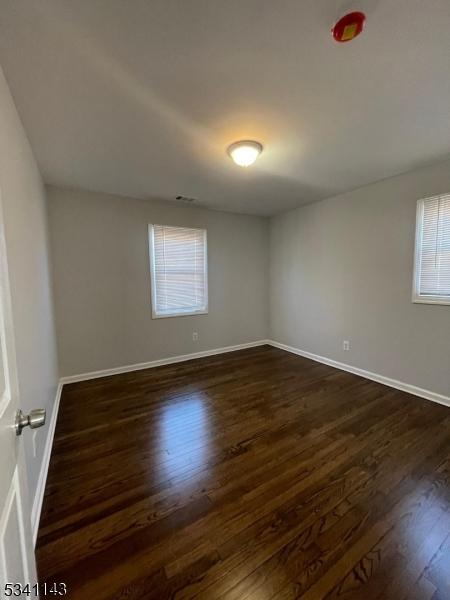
x=185, y=431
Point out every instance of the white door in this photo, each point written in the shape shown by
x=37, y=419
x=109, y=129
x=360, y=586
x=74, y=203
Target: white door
x=17, y=564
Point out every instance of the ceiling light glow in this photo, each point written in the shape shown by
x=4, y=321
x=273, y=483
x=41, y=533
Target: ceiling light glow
x=245, y=152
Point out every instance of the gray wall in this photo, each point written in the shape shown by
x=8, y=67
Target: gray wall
x=25, y=219
x=102, y=281
x=339, y=269
x=342, y=269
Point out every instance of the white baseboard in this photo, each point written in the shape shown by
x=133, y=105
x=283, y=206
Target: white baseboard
x=40, y=488
x=399, y=385
x=158, y=363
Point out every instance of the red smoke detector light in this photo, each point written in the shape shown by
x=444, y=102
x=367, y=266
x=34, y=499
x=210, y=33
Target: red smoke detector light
x=348, y=27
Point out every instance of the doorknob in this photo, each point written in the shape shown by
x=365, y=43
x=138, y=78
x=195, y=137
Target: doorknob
x=35, y=419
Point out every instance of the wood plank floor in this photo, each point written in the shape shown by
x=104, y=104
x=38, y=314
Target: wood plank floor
x=251, y=475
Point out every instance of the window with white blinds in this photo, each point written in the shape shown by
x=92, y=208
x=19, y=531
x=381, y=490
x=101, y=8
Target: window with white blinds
x=178, y=264
x=432, y=260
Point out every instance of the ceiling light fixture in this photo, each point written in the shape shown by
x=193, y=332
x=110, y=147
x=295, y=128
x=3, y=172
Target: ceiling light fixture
x=245, y=152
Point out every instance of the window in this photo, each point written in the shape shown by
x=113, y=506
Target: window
x=179, y=274
x=432, y=259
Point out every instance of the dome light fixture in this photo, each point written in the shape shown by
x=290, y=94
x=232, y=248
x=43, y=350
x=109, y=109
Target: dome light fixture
x=245, y=152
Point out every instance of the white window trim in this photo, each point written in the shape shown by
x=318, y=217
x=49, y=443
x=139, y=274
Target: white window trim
x=418, y=298
x=152, y=276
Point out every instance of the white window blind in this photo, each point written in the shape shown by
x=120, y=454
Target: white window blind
x=432, y=260
x=178, y=262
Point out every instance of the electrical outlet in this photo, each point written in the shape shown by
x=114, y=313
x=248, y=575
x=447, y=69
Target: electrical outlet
x=195, y=336
x=33, y=443
x=346, y=345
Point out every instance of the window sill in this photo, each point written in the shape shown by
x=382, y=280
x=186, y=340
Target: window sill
x=180, y=314
x=445, y=301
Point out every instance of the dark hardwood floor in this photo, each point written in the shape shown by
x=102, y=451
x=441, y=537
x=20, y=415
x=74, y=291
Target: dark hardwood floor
x=251, y=475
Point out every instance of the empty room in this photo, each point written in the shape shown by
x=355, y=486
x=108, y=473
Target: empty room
x=225, y=299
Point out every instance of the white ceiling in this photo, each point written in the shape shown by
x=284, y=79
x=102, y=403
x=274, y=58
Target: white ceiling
x=142, y=97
